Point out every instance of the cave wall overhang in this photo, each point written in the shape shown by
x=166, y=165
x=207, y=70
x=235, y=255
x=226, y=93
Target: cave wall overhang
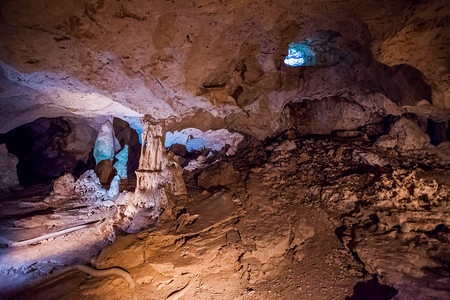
x=224, y=60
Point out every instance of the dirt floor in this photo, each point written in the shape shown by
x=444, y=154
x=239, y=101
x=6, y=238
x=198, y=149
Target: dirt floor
x=303, y=219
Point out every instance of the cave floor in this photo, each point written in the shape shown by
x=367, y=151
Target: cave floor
x=303, y=219
x=215, y=247
x=31, y=226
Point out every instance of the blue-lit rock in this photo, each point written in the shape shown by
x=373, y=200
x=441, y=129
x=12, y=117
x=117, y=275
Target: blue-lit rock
x=294, y=58
x=121, y=164
x=104, y=144
x=114, y=187
x=135, y=123
x=195, y=139
x=300, y=54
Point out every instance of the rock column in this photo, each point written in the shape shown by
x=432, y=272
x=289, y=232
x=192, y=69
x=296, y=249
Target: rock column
x=152, y=176
x=153, y=159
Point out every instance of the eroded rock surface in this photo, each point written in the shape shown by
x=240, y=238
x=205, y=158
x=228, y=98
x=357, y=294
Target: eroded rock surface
x=8, y=169
x=218, y=61
x=327, y=218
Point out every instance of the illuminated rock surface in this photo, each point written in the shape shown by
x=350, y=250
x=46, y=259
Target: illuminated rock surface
x=121, y=164
x=104, y=144
x=195, y=139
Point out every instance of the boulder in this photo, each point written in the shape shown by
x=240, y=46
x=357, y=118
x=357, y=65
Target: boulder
x=408, y=135
x=64, y=186
x=179, y=149
x=8, y=170
x=286, y=146
x=88, y=187
x=105, y=171
x=368, y=158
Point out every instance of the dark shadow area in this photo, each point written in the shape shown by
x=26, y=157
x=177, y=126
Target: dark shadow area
x=372, y=290
x=438, y=131
x=40, y=148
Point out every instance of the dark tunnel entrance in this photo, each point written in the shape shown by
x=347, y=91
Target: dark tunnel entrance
x=47, y=148
x=44, y=150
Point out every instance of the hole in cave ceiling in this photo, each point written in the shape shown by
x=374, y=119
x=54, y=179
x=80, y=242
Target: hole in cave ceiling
x=300, y=54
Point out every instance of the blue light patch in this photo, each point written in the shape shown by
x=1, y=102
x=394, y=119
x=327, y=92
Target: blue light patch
x=187, y=138
x=300, y=54
x=177, y=137
x=121, y=163
x=294, y=58
x=135, y=123
x=195, y=139
x=104, y=144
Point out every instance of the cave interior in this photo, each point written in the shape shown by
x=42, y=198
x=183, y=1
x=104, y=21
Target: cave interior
x=225, y=149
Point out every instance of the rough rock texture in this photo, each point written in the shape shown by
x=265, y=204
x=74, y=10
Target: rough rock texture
x=221, y=62
x=407, y=135
x=30, y=217
x=222, y=175
x=410, y=36
x=105, y=171
x=80, y=140
x=45, y=148
x=64, y=187
x=330, y=218
x=8, y=170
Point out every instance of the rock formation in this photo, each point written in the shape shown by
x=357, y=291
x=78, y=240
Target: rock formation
x=121, y=163
x=8, y=171
x=150, y=196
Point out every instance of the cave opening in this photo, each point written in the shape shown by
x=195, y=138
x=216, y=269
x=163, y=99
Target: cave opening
x=192, y=144
x=300, y=54
x=46, y=149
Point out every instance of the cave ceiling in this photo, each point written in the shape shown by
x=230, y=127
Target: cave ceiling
x=220, y=61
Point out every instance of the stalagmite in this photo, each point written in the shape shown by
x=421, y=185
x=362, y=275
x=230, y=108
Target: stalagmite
x=104, y=144
x=153, y=156
x=152, y=176
x=177, y=185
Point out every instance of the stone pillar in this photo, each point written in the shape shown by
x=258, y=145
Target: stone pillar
x=176, y=184
x=150, y=197
x=153, y=160
x=153, y=176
